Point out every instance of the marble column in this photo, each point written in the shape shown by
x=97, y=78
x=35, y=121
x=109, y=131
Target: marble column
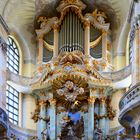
x=102, y=123
x=2, y=75
x=91, y=102
x=43, y=115
x=52, y=119
x=87, y=38
x=55, y=51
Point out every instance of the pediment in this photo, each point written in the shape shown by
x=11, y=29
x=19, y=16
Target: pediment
x=70, y=66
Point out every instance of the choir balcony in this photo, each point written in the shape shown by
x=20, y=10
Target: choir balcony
x=129, y=110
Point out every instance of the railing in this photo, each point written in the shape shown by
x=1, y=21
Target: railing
x=3, y=119
x=118, y=75
x=114, y=76
x=130, y=96
x=18, y=78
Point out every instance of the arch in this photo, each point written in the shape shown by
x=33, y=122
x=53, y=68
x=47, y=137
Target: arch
x=13, y=57
x=19, y=51
x=123, y=38
x=24, y=45
x=13, y=63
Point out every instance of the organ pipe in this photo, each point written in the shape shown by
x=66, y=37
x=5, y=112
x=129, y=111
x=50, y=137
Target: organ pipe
x=71, y=33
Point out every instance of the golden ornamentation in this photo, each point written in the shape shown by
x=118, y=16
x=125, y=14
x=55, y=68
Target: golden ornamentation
x=48, y=46
x=70, y=1
x=110, y=112
x=91, y=100
x=70, y=91
x=137, y=136
x=40, y=69
x=42, y=93
x=87, y=23
x=43, y=21
x=74, y=57
x=52, y=102
x=94, y=43
x=100, y=16
x=36, y=114
x=102, y=99
x=42, y=102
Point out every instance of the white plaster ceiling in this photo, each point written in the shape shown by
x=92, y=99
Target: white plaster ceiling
x=19, y=16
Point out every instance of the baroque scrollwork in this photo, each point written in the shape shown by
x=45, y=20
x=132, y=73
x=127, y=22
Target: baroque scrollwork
x=111, y=113
x=100, y=16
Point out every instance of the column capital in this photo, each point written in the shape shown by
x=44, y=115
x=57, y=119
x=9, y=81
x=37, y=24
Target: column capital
x=102, y=100
x=91, y=100
x=87, y=23
x=92, y=90
x=55, y=26
x=52, y=102
x=42, y=102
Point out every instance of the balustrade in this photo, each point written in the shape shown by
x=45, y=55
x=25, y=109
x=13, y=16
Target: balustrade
x=130, y=96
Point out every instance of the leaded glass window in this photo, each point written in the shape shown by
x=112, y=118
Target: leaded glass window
x=12, y=99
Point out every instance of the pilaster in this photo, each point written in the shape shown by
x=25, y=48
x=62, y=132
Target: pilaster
x=55, y=51
x=40, y=54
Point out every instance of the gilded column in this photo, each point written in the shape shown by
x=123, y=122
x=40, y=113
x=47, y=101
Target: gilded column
x=104, y=44
x=2, y=75
x=102, y=123
x=87, y=38
x=91, y=102
x=42, y=119
x=52, y=119
x=55, y=51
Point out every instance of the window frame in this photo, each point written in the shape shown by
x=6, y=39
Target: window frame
x=12, y=96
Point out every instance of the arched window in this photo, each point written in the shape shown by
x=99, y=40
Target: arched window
x=12, y=99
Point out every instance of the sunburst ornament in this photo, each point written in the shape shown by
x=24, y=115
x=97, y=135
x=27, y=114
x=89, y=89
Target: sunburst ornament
x=70, y=91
